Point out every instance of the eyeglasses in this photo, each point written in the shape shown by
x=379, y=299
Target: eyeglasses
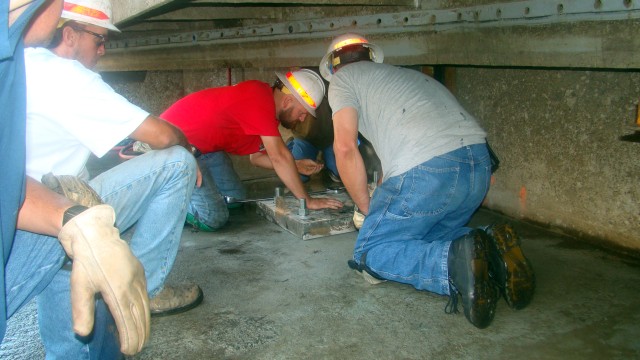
x=103, y=38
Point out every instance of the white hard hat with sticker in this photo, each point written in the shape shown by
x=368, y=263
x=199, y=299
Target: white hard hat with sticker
x=306, y=86
x=94, y=12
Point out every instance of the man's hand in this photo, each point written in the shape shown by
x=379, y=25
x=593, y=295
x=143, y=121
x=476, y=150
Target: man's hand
x=102, y=262
x=308, y=167
x=323, y=203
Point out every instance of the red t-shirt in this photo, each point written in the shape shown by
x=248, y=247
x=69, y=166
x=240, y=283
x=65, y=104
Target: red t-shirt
x=229, y=118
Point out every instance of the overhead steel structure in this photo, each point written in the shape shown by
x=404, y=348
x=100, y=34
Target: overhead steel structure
x=538, y=33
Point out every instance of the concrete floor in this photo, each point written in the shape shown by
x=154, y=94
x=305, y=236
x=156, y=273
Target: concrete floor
x=271, y=295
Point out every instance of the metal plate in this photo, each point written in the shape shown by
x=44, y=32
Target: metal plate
x=318, y=223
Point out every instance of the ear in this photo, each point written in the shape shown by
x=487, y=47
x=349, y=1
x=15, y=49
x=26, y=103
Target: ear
x=288, y=101
x=69, y=36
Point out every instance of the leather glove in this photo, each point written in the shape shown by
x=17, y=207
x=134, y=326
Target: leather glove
x=73, y=188
x=102, y=262
x=358, y=217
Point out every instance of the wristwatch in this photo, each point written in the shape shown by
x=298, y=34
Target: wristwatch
x=71, y=212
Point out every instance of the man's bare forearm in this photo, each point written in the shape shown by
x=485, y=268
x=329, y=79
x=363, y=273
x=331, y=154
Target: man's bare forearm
x=160, y=134
x=42, y=210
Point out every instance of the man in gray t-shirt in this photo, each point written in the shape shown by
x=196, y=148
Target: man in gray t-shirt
x=436, y=172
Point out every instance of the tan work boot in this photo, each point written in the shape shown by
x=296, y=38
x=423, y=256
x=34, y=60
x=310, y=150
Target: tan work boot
x=175, y=299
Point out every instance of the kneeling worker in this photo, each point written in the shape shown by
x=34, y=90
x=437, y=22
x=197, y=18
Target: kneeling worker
x=243, y=120
x=436, y=170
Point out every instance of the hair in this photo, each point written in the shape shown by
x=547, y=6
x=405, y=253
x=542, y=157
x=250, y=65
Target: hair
x=352, y=53
x=278, y=84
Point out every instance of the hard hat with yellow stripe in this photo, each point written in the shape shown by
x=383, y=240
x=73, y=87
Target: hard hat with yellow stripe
x=305, y=85
x=332, y=59
x=94, y=12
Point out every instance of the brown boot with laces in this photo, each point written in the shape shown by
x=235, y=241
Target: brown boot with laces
x=509, y=267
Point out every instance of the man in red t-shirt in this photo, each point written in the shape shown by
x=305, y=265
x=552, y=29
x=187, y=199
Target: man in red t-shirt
x=243, y=120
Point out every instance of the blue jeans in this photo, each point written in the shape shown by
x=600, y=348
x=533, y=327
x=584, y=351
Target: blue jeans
x=152, y=192
x=302, y=149
x=219, y=179
x=414, y=217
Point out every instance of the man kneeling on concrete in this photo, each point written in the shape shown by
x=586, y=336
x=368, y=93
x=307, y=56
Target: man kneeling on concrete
x=436, y=169
x=71, y=112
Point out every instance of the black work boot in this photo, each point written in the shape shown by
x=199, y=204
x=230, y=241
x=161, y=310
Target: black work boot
x=469, y=277
x=509, y=267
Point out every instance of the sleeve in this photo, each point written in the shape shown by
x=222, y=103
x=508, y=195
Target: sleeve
x=341, y=93
x=84, y=105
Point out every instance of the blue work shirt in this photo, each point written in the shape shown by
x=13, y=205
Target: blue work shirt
x=13, y=116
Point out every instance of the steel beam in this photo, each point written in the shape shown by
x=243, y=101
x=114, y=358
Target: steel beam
x=601, y=34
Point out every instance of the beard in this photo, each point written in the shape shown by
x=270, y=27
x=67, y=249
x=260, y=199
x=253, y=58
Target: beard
x=286, y=118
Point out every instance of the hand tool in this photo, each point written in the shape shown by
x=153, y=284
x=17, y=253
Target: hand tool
x=233, y=200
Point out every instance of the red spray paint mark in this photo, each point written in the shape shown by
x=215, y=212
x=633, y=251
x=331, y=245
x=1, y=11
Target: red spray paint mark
x=523, y=198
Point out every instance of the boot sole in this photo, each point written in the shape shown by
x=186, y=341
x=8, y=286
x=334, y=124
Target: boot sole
x=365, y=275
x=481, y=311
x=519, y=282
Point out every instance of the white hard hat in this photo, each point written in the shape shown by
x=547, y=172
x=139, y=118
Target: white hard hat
x=327, y=63
x=94, y=12
x=306, y=86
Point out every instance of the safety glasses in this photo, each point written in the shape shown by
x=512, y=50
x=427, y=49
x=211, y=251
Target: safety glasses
x=102, y=39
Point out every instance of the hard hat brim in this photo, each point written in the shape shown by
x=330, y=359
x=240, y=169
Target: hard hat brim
x=325, y=68
x=83, y=19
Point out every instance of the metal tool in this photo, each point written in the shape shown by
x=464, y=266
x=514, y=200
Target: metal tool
x=233, y=200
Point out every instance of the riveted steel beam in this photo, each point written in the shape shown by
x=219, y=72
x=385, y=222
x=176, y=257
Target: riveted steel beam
x=494, y=15
x=526, y=33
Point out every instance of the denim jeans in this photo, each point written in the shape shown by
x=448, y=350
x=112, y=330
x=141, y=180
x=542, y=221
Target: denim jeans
x=414, y=217
x=302, y=149
x=152, y=192
x=219, y=179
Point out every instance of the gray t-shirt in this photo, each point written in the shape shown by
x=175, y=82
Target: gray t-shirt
x=408, y=116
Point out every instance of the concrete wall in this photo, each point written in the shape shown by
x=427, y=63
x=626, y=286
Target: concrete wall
x=556, y=132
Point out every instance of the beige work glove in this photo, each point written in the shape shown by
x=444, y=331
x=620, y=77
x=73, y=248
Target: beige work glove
x=103, y=263
x=72, y=187
x=358, y=217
